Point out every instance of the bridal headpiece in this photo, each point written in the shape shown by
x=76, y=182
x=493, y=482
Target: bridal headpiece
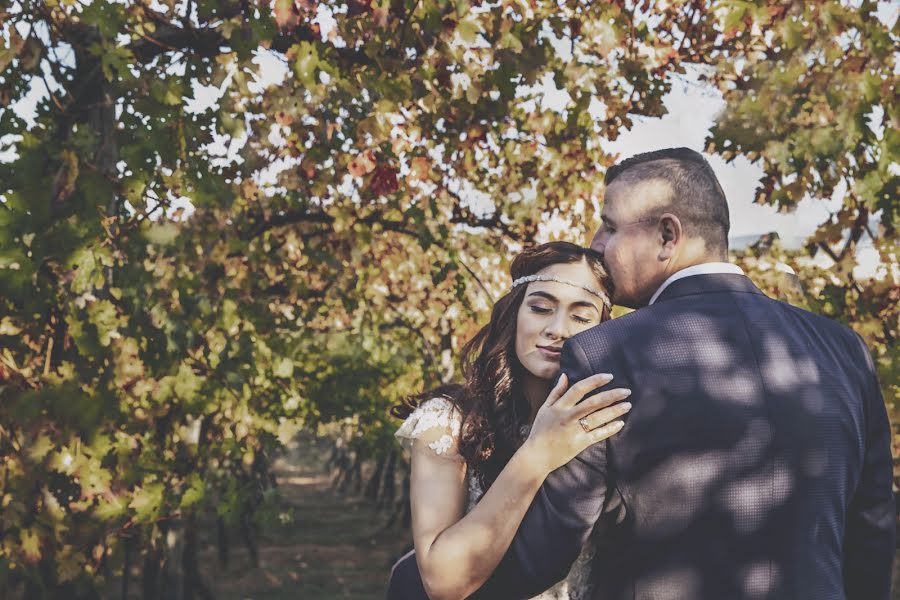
x=587, y=288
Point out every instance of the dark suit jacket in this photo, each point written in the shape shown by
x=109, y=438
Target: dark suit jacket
x=755, y=463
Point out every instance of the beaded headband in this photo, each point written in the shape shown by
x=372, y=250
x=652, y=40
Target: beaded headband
x=587, y=288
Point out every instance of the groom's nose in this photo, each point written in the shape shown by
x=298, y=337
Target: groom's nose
x=598, y=244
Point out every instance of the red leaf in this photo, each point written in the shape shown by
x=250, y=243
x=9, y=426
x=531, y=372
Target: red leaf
x=358, y=7
x=363, y=164
x=384, y=180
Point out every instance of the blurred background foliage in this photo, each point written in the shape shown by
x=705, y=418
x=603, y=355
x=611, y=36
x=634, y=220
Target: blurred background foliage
x=184, y=286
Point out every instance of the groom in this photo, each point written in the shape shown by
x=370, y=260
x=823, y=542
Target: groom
x=756, y=461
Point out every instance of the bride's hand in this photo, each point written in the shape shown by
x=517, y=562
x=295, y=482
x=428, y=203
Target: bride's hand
x=563, y=428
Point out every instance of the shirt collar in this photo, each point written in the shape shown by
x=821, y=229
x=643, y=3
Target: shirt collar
x=701, y=269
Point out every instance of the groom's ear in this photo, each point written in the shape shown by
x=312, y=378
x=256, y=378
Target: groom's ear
x=671, y=233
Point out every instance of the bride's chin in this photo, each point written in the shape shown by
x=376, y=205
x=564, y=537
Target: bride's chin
x=546, y=375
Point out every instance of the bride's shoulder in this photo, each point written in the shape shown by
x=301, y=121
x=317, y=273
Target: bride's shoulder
x=435, y=412
x=436, y=421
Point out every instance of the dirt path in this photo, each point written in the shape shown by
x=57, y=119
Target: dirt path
x=336, y=547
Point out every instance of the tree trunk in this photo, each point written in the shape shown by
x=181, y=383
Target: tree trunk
x=126, y=567
x=93, y=106
x=150, y=573
x=248, y=534
x=389, y=487
x=374, y=483
x=193, y=582
x=173, y=584
x=403, y=509
x=357, y=474
x=222, y=539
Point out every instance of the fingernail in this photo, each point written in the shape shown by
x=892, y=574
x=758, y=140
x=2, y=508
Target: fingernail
x=626, y=406
x=605, y=375
x=619, y=425
x=626, y=392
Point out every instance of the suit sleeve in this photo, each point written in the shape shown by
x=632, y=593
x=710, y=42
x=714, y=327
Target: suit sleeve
x=561, y=516
x=869, y=540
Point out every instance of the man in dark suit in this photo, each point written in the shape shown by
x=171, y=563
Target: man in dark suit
x=756, y=460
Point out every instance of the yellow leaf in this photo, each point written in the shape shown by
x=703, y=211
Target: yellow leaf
x=30, y=544
x=39, y=449
x=8, y=328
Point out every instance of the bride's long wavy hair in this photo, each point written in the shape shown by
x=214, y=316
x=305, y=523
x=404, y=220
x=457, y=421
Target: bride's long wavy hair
x=490, y=398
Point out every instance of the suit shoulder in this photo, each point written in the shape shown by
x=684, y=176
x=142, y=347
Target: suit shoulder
x=822, y=323
x=828, y=327
x=625, y=325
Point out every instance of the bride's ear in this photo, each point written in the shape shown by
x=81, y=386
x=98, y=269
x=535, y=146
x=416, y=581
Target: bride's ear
x=670, y=235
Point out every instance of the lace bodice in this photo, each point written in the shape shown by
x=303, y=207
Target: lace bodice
x=437, y=422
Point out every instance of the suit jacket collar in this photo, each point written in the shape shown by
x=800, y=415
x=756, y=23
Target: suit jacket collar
x=708, y=283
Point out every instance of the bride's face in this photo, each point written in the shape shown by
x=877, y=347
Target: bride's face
x=552, y=312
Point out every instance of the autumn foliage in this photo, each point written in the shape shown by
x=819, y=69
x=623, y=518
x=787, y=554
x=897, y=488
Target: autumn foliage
x=185, y=286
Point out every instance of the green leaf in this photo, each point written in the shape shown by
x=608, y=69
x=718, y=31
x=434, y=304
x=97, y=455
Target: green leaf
x=110, y=508
x=284, y=368
x=194, y=493
x=468, y=30
x=146, y=501
x=306, y=60
x=104, y=316
x=162, y=234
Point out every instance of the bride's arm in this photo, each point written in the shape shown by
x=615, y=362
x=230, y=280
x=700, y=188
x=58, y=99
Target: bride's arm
x=456, y=553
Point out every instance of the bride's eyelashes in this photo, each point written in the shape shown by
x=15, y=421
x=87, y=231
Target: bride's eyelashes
x=544, y=311
x=541, y=310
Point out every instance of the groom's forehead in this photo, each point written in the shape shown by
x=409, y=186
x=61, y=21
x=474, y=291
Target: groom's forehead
x=626, y=196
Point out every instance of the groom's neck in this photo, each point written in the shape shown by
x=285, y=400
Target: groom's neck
x=688, y=257
x=694, y=252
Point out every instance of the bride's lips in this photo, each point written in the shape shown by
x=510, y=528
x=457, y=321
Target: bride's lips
x=552, y=352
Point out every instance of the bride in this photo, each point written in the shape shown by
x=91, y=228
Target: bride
x=480, y=451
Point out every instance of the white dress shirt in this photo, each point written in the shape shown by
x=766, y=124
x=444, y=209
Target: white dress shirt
x=702, y=269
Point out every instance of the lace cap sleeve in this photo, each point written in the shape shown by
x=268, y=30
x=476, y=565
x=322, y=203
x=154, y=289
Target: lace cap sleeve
x=435, y=422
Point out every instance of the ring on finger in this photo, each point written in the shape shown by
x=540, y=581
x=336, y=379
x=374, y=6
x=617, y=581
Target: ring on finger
x=584, y=424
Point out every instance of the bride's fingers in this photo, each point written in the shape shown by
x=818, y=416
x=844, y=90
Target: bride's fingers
x=600, y=400
x=601, y=433
x=600, y=418
x=558, y=390
x=581, y=389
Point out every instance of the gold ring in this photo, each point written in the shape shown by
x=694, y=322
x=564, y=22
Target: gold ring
x=584, y=424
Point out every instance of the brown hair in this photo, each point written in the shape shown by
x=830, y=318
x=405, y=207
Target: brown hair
x=697, y=196
x=490, y=398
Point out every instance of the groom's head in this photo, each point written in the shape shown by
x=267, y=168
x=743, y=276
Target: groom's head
x=662, y=211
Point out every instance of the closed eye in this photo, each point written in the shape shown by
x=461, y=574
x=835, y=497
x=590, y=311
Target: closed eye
x=540, y=310
x=580, y=319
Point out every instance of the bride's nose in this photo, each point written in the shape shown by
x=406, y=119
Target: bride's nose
x=557, y=328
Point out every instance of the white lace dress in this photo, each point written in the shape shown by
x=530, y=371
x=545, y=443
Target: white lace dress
x=437, y=421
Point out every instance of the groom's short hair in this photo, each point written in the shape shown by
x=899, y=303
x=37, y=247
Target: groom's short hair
x=697, y=197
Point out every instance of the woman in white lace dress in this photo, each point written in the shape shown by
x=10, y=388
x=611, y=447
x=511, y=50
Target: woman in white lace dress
x=480, y=453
